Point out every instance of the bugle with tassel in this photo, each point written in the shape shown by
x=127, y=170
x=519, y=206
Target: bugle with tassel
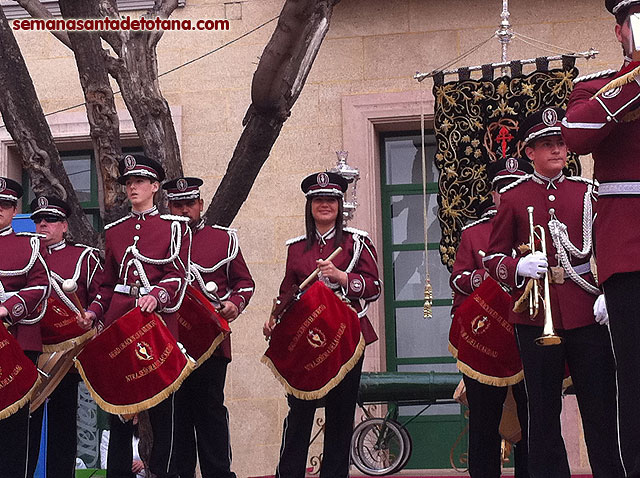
x=549, y=336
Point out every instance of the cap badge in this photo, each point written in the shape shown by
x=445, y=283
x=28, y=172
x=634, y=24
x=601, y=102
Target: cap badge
x=181, y=184
x=3, y=184
x=323, y=180
x=43, y=202
x=512, y=165
x=129, y=162
x=549, y=117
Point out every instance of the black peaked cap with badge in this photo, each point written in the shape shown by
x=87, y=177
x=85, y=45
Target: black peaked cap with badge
x=616, y=6
x=49, y=206
x=183, y=188
x=10, y=190
x=542, y=123
x=506, y=170
x=324, y=184
x=139, y=165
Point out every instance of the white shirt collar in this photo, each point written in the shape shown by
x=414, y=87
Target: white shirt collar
x=550, y=182
x=6, y=231
x=143, y=214
x=322, y=238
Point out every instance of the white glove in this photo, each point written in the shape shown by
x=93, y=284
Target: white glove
x=534, y=265
x=600, y=310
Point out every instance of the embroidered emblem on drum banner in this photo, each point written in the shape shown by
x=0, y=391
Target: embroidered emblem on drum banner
x=3, y=184
x=182, y=184
x=43, y=202
x=502, y=272
x=323, y=180
x=59, y=310
x=549, y=117
x=129, y=162
x=17, y=310
x=316, y=338
x=356, y=285
x=612, y=93
x=144, y=351
x=480, y=325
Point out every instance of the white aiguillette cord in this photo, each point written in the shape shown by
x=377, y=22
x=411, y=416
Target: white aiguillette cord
x=428, y=290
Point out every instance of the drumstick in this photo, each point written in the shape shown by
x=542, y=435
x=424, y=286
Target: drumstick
x=313, y=275
x=70, y=287
x=212, y=289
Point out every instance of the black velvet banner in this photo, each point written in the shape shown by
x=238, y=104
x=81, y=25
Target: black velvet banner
x=476, y=123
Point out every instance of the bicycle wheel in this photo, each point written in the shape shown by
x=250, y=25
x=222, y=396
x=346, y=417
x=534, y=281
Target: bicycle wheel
x=379, y=447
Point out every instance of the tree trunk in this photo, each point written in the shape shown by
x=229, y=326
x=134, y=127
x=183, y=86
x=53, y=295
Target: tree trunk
x=101, y=109
x=136, y=71
x=277, y=83
x=25, y=121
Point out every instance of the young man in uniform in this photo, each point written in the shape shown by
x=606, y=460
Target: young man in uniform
x=81, y=264
x=484, y=395
x=215, y=256
x=607, y=127
x=24, y=288
x=563, y=207
x=146, y=265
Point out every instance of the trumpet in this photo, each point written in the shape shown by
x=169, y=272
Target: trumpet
x=549, y=336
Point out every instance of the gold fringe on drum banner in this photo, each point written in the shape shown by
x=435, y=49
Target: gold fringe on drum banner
x=13, y=408
x=321, y=392
x=69, y=344
x=488, y=379
x=212, y=348
x=136, y=407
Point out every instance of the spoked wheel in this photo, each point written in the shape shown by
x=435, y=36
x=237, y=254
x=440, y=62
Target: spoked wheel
x=380, y=447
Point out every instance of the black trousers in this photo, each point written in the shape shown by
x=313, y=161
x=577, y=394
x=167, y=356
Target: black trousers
x=485, y=442
x=340, y=406
x=204, y=422
x=14, y=438
x=163, y=461
x=587, y=351
x=62, y=410
x=622, y=292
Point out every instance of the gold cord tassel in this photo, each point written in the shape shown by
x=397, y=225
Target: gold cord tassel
x=428, y=300
x=621, y=81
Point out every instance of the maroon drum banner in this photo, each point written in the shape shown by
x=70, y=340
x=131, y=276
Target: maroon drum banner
x=201, y=327
x=134, y=364
x=18, y=375
x=317, y=342
x=59, y=328
x=484, y=339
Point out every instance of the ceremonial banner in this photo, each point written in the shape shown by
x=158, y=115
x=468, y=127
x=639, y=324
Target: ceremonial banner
x=201, y=327
x=18, y=375
x=134, y=364
x=317, y=342
x=476, y=123
x=59, y=328
x=483, y=338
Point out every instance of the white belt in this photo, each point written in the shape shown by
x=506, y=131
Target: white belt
x=133, y=291
x=619, y=188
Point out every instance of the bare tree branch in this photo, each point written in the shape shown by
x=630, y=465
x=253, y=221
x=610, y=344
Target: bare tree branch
x=38, y=10
x=25, y=121
x=277, y=83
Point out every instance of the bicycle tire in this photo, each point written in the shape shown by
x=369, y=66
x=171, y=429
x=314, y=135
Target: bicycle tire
x=379, y=447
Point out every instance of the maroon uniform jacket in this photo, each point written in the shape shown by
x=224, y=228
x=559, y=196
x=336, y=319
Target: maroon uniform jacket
x=148, y=249
x=468, y=271
x=570, y=199
x=358, y=259
x=24, y=286
x=216, y=256
x=78, y=262
x=600, y=126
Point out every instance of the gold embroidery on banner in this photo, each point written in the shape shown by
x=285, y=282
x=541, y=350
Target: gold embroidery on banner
x=302, y=330
x=132, y=338
x=325, y=355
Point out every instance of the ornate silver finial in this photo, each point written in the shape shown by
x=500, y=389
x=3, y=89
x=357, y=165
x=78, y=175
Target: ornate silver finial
x=504, y=33
x=352, y=175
